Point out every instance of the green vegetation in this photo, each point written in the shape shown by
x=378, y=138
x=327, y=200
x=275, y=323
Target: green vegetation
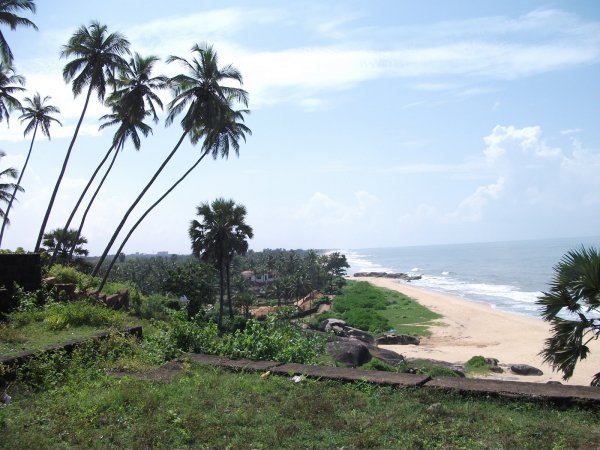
x=477, y=365
x=205, y=407
x=376, y=310
x=572, y=308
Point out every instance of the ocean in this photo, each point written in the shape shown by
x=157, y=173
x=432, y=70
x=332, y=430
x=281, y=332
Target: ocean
x=510, y=276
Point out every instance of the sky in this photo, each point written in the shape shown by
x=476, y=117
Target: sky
x=374, y=124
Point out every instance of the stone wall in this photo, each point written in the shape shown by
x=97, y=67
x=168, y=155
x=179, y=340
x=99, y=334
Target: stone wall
x=24, y=269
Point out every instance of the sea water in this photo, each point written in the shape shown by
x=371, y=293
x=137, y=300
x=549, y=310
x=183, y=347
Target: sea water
x=510, y=276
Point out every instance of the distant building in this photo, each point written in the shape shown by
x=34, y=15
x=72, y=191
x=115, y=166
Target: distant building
x=262, y=278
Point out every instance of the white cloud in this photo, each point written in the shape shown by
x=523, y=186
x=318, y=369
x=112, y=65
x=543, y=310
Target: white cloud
x=321, y=209
x=471, y=208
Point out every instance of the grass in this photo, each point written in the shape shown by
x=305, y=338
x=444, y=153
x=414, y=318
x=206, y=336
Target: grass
x=376, y=310
x=206, y=407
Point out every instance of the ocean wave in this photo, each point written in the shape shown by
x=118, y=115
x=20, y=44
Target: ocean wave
x=360, y=263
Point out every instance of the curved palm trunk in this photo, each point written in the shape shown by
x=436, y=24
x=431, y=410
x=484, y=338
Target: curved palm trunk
x=90, y=181
x=89, y=206
x=133, y=205
x=229, y=290
x=143, y=216
x=62, y=173
x=10, y=202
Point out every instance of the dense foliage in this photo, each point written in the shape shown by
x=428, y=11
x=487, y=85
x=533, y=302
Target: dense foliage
x=572, y=306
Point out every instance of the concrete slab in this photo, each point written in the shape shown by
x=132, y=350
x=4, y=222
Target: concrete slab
x=349, y=374
x=233, y=364
x=554, y=392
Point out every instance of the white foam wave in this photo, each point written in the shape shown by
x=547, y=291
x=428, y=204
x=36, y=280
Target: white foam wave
x=361, y=263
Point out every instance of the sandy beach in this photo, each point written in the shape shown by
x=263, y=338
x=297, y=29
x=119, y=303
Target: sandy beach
x=469, y=328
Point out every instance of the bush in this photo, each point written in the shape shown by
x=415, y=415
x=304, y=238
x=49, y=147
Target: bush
x=477, y=364
x=66, y=274
x=366, y=319
x=156, y=306
x=377, y=364
x=61, y=316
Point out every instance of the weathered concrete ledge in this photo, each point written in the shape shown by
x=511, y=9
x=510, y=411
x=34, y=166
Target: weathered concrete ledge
x=564, y=394
x=22, y=357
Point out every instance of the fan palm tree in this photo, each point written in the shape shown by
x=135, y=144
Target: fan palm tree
x=7, y=189
x=37, y=114
x=201, y=92
x=572, y=308
x=8, y=101
x=97, y=56
x=8, y=8
x=59, y=241
x=217, y=142
x=132, y=101
x=222, y=233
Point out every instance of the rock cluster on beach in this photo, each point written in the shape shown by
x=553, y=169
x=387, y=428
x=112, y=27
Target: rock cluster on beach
x=397, y=276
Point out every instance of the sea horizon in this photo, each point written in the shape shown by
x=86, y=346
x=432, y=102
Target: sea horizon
x=508, y=275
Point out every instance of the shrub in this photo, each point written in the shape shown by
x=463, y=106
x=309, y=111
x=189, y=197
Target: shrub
x=366, y=319
x=477, y=364
x=156, y=306
x=66, y=274
x=377, y=364
x=61, y=316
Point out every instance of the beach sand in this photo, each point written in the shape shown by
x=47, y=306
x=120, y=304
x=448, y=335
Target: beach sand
x=469, y=328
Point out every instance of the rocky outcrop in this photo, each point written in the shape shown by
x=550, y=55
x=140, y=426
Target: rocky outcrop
x=397, y=339
x=398, y=276
x=351, y=352
x=524, y=369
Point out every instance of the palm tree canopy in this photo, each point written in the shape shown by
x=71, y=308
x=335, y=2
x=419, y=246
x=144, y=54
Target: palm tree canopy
x=222, y=232
x=7, y=189
x=129, y=125
x=201, y=89
x=8, y=101
x=135, y=86
x=8, y=16
x=97, y=55
x=62, y=241
x=38, y=113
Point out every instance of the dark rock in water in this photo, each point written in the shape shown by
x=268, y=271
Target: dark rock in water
x=399, y=339
x=326, y=324
x=398, y=276
x=524, y=369
x=349, y=351
x=358, y=334
x=386, y=356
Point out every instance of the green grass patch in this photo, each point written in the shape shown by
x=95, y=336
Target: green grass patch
x=205, y=407
x=477, y=365
x=377, y=310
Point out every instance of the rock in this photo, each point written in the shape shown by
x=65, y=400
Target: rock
x=351, y=352
x=496, y=369
x=326, y=324
x=553, y=382
x=524, y=369
x=358, y=334
x=386, y=356
x=398, y=276
x=492, y=362
x=400, y=339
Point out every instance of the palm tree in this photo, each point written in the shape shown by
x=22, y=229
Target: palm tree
x=38, y=113
x=572, y=308
x=222, y=233
x=59, y=241
x=216, y=142
x=7, y=190
x=203, y=95
x=8, y=17
x=97, y=55
x=7, y=90
x=131, y=102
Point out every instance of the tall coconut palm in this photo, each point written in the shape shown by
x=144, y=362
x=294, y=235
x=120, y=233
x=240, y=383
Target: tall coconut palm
x=132, y=101
x=7, y=189
x=221, y=233
x=37, y=114
x=217, y=142
x=8, y=8
x=8, y=79
x=201, y=92
x=97, y=56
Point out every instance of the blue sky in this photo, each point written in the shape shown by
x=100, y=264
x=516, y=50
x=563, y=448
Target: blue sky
x=384, y=123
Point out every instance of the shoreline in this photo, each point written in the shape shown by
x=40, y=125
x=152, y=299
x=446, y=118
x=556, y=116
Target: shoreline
x=469, y=328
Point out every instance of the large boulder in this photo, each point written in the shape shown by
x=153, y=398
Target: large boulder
x=357, y=334
x=524, y=369
x=386, y=356
x=327, y=324
x=397, y=339
x=351, y=352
